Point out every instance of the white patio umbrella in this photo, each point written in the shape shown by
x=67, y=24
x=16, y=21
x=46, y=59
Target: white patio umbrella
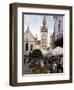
x=57, y=51
x=44, y=52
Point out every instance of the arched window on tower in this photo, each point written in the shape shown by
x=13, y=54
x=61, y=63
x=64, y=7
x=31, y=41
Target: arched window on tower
x=26, y=46
x=31, y=47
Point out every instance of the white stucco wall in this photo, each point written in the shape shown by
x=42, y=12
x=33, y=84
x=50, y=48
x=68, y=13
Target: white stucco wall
x=30, y=39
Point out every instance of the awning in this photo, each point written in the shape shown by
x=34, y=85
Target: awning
x=57, y=51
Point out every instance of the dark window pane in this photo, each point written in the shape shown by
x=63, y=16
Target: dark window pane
x=26, y=47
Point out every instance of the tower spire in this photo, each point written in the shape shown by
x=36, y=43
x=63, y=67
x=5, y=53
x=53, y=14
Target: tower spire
x=28, y=29
x=44, y=21
x=44, y=34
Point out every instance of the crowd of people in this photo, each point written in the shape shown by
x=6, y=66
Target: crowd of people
x=53, y=64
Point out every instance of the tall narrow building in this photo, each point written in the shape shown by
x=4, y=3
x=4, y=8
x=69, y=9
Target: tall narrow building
x=44, y=34
x=58, y=30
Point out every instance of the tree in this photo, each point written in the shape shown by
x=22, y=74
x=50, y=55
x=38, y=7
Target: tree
x=37, y=54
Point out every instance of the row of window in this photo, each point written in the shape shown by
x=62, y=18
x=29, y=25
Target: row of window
x=27, y=47
x=43, y=39
x=43, y=35
x=43, y=42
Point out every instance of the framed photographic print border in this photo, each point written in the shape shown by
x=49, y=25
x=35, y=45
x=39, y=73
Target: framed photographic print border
x=13, y=43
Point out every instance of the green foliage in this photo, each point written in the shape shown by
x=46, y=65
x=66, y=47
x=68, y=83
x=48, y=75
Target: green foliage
x=37, y=54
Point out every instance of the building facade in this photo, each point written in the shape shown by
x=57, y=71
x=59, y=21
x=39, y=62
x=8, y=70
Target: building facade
x=52, y=40
x=58, y=30
x=29, y=42
x=44, y=34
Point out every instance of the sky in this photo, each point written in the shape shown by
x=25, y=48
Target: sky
x=35, y=22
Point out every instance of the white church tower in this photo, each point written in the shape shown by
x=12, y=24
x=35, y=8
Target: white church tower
x=44, y=34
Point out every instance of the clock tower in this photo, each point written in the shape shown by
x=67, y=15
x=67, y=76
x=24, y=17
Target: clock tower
x=44, y=34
